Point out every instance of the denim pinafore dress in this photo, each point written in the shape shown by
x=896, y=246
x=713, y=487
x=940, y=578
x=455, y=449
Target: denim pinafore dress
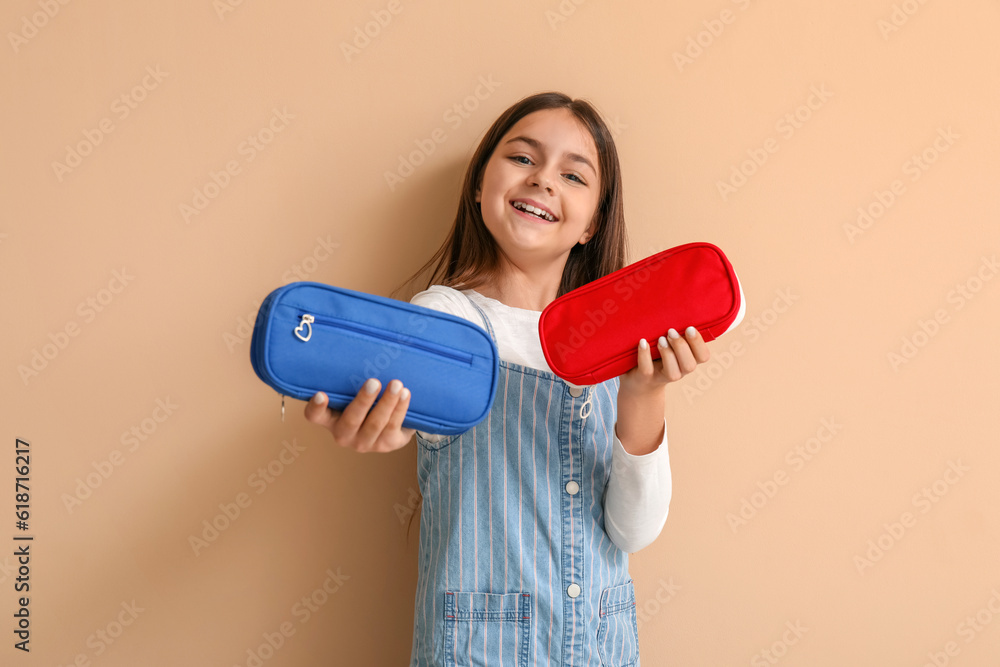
x=515, y=567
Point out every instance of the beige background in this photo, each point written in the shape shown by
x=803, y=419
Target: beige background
x=314, y=203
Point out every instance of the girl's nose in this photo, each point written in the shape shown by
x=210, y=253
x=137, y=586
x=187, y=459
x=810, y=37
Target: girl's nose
x=541, y=178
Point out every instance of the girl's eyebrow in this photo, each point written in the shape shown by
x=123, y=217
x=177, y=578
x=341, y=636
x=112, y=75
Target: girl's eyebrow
x=576, y=157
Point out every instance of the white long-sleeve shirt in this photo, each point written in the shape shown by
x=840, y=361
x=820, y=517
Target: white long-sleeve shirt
x=637, y=497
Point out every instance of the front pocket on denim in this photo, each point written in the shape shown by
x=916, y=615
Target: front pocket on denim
x=618, y=633
x=435, y=447
x=478, y=626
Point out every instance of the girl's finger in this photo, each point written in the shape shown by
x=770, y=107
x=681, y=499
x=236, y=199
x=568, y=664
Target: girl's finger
x=698, y=345
x=395, y=422
x=670, y=368
x=685, y=357
x=317, y=411
x=645, y=359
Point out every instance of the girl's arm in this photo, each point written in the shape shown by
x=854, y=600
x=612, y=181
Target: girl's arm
x=640, y=425
x=638, y=494
x=642, y=390
x=637, y=498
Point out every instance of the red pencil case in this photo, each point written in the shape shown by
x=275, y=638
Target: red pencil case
x=592, y=333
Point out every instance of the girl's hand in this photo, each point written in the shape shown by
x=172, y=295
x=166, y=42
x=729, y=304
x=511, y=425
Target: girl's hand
x=356, y=428
x=679, y=355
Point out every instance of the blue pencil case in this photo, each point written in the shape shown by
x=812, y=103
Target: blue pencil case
x=311, y=337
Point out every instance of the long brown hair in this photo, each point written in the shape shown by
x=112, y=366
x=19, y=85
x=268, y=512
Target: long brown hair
x=470, y=257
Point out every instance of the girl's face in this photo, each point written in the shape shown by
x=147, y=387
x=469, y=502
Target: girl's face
x=547, y=161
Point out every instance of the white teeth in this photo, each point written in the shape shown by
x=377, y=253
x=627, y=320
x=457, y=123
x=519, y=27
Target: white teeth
x=535, y=210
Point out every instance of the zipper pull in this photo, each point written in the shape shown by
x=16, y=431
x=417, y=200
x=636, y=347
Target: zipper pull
x=282, y=408
x=307, y=321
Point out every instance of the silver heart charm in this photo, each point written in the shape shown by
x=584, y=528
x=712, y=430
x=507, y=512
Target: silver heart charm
x=305, y=325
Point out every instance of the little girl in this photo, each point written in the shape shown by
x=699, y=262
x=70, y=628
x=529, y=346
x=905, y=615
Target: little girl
x=529, y=516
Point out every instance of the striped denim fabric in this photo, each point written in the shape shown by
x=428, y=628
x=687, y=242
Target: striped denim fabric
x=514, y=566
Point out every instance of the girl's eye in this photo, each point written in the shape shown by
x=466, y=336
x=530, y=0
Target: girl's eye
x=527, y=160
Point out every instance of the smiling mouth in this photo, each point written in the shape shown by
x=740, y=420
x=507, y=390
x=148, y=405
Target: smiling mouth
x=533, y=211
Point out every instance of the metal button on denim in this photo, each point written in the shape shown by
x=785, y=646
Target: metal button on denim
x=576, y=392
x=573, y=590
x=572, y=488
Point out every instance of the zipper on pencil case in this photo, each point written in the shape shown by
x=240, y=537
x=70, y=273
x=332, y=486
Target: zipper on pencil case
x=306, y=318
